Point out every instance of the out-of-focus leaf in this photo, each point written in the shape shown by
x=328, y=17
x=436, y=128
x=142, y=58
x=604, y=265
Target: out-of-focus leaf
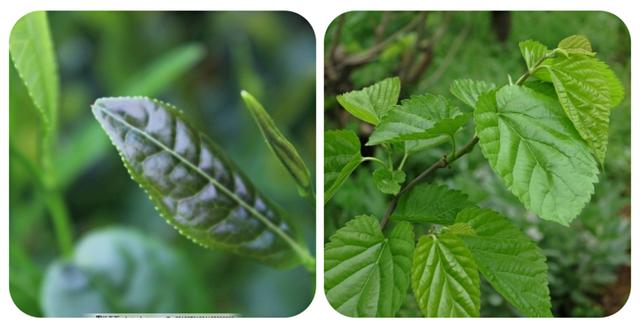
x=86, y=145
x=537, y=153
x=371, y=103
x=388, y=181
x=428, y=203
x=193, y=184
x=341, y=158
x=445, y=278
x=163, y=71
x=120, y=271
x=33, y=55
x=468, y=90
x=419, y=117
x=366, y=273
x=280, y=145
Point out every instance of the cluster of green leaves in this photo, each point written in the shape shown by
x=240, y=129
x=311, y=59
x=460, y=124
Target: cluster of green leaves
x=533, y=134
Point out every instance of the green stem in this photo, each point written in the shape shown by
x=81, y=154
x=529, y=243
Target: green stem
x=375, y=160
x=404, y=159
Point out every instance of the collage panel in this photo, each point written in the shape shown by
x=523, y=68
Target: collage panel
x=477, y=164
x=162, y=164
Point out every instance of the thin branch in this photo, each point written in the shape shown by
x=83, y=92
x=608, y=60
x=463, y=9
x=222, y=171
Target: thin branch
x=451, y=54
x=441, y=163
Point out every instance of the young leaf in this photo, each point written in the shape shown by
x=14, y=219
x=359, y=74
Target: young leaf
x=532, y=52
x=118, y=270
x=587, y=90
x=419, y=117
x=33, y=55
x=341, y=158
x=445, y=278
x=163, y=71
x=366, y=273
x=280, y=145
x=428, y=203
x=371, y=103
x=508, y=259
x=468, y=90
x=536, y=152
x=388, y=182
x=193, y=185
x=576, y=44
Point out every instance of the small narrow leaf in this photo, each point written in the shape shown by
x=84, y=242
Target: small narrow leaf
x=508, y=259
x=532, y=52
x=280, y=145
x=388, y=182
x=33, y=55
x=366, y=273
x=428, y=203
x=419, y=117
x=193, y=185
x=371, y=103
x=341, y=158
x=535, y=150
x=445, y=278
x=587, y=90
x=468, y=90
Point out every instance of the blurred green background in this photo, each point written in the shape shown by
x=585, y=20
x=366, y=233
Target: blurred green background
x=589, y=262
x=198, y=61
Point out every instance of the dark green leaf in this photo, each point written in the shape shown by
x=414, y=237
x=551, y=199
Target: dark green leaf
x=468, y=90
x=419, y=117
x=366, y=273
x=428, y=203
x=388, y=182
x=119, y=270
x=508, y=259
x=33, y=55
x=280, y=145
x=371, y=103
x=193, y=185
x=445, y=278
x=341, y=158
x=536, y=152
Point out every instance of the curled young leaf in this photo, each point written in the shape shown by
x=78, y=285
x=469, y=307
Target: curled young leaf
x=388, y=181
x=193, y=185
x=280, y=145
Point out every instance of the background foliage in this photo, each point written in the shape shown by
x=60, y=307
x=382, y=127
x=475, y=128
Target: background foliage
x=589, y=262
x=198, y=61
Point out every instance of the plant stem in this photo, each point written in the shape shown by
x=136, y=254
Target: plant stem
x=441, y=163
x=533, y=70
x=375, y=160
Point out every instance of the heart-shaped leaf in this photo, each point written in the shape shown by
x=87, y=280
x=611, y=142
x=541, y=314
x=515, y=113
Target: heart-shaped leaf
x=371, y=103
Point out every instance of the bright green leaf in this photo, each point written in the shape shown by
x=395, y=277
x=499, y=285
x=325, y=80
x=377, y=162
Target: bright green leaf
x=121, y=271
x=341, y=158
x=371, y=103
x=366, y=273
x=445, y=278
x=532, y=52
x=468, y=90
x=419, y=117
x=508, y=259
x=576, y=44
x=587, y=90
x=428, y=203
x=280, y=145
x=534, y=149
x=388, y=182
x=192, y=183
x=33, y=55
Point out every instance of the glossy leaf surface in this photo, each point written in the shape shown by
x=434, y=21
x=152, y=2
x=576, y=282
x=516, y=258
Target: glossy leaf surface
x=508, y=259
x=419, y=117
x=429, y=203
x=193, y=185
x=280, y=145
x=445, y=278
x=468, y=90
x=371, y=103
x=366, y=273
x=341, y=158
x=536, y=152
x=33, y=55
x=120, y=270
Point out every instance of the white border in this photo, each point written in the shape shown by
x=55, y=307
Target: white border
x=319, y=14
